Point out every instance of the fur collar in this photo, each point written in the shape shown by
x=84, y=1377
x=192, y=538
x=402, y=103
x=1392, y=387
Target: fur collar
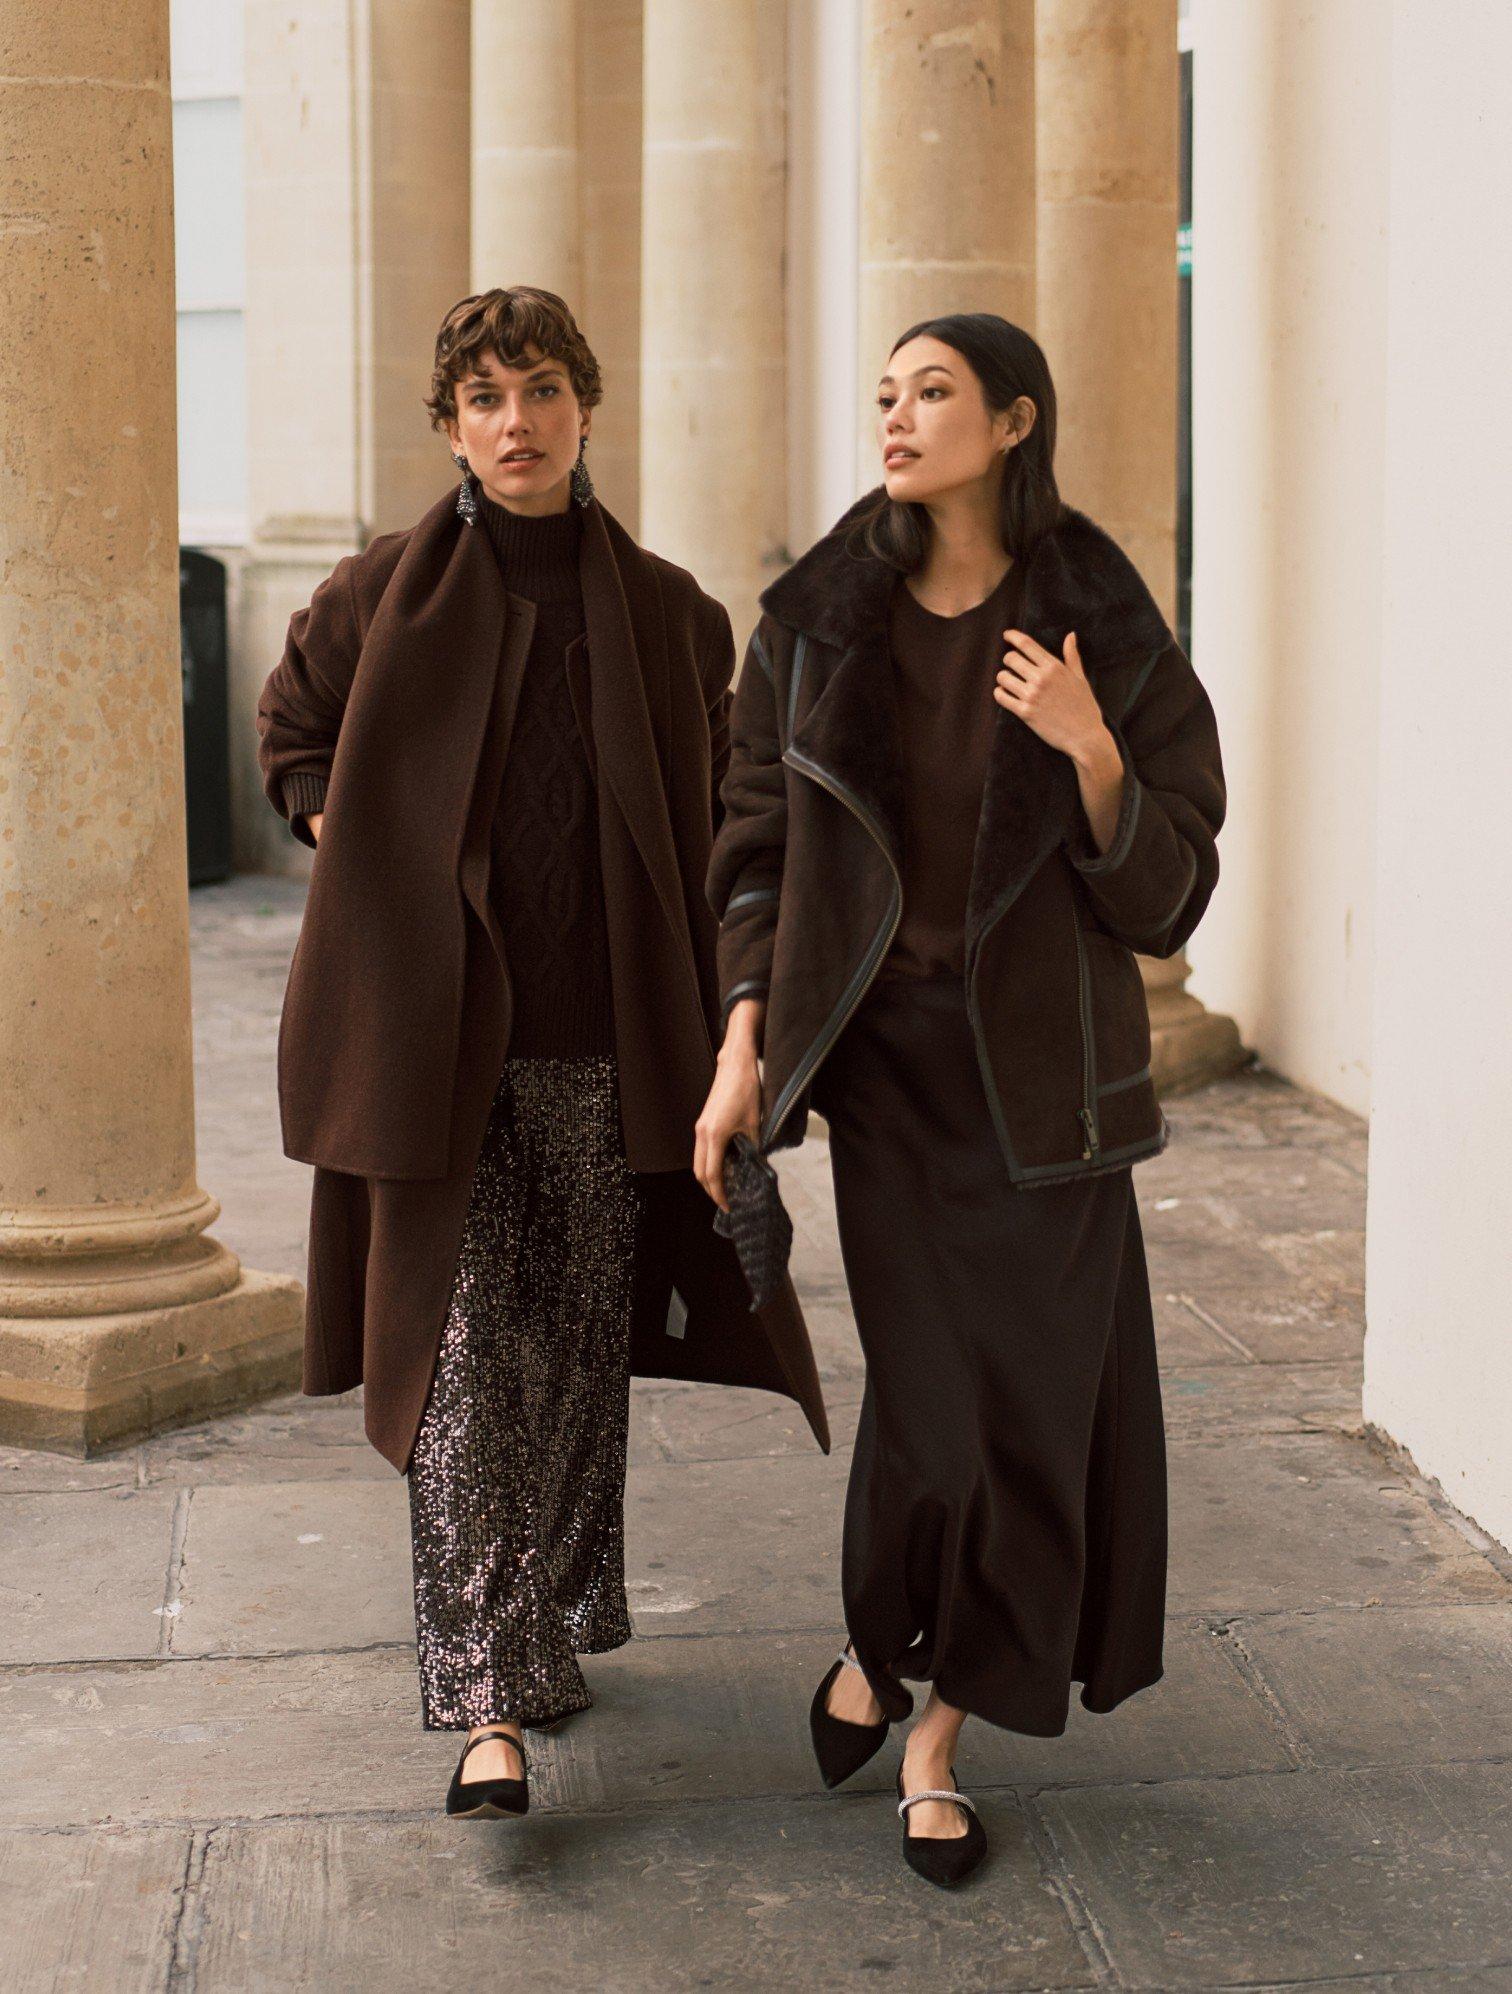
x=1077, y=578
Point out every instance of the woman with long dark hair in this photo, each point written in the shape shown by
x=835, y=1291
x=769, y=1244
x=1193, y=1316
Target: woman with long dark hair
x=972, y=772
x=503, y=730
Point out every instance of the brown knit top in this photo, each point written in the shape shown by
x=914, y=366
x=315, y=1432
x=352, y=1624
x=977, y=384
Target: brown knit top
x=546, y=885
x=945, y=668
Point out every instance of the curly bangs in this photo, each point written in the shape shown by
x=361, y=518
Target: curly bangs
x=505, y=323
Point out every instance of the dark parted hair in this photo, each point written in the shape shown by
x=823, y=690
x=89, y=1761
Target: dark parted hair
x=1008, y=363
x=505, y=322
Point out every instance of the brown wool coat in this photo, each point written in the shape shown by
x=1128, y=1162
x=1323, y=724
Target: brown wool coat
x=805, y=874
x=397, y=686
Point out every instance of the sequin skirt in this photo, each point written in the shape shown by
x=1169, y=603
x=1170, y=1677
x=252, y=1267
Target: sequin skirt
x=517, y=1479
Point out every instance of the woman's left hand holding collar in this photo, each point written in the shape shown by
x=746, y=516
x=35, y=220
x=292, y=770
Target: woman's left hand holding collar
x=1052, y=697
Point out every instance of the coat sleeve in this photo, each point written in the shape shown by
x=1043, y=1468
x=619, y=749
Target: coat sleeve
x=1152, y=885
x=745, y=868
x=716, y=669
x=300, y=707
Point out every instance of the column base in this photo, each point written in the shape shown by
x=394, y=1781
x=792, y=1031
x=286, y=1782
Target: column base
x=1190, y=1045
x=82, y=1385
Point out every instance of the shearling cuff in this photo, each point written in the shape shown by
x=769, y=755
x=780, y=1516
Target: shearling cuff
x=1079, y=842
x=304, y=795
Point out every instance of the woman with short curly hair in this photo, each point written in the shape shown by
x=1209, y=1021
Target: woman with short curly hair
x=503, y=730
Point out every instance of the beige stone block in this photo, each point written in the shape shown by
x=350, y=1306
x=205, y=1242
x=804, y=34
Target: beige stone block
x=86, y=1383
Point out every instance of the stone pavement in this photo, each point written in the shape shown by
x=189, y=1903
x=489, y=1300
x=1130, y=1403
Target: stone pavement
x=215, y=1776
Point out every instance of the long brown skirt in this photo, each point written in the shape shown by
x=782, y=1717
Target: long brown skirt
x=1005, y=1520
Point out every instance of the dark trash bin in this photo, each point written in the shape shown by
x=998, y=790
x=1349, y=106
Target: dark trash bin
x=204, y=655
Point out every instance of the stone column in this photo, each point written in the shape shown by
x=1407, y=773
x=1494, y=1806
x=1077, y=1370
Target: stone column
x=713, y=375
x=526, y=222
x=118, y=1314
x=947, y=174
x=357, y=204
x=1107, y=140
x=609, y=156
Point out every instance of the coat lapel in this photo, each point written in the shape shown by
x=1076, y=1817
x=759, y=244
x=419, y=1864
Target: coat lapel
x=850, y=723
x=627, y=674
x=1076, y=578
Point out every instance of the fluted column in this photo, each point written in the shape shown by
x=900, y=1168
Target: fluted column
x=1107, y=141
x=526, y=223
x=713, y=418
x=117, y=1312
x=947, y=173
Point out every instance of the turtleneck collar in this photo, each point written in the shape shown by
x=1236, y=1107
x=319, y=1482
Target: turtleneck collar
x=537, y=553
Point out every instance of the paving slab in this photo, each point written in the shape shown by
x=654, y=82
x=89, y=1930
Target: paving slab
x=1309, y=1521
x=1229, y=1401
x=717, y=1547
x=1186, y=1338
x=1257, y=1107
x=1182, y=1265
x=294, y=1438
x=694, y=1423
x=1475, y=1979
x=289, y=1439
x=201, y=1742
x=83, y=1574
x=1406, y=1688
x=90, y=1910
x=1278, y=1188
x=34, y=1471
x=295, y=1565
x=1294, y=1876
x=230, y=1738
x=755, y=1894
x=1275, y=1321
x=720, y=1716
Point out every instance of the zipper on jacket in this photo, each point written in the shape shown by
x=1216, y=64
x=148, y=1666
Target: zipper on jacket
x=1086, y=1114
x=856, y=989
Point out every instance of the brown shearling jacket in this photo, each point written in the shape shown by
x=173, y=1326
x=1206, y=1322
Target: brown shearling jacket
x=805, y=874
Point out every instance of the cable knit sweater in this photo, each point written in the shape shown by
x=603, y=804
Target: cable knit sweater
x=546, y=886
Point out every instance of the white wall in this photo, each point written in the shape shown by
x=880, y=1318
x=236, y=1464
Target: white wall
x=1438, y=1345
x=210, y=261
x=1289, y=450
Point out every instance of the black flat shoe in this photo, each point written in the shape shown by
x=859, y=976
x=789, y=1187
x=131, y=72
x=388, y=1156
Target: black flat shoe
x=840, y=1746
x=487, y=1799
x=942, y=1860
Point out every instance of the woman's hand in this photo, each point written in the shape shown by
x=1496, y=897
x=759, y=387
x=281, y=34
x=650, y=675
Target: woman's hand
x=734, y=1101
x=1051, y=695
x=313, y=820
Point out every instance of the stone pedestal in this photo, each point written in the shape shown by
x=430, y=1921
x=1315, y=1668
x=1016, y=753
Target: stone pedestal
x=117, y=1313
x=1188, y=1043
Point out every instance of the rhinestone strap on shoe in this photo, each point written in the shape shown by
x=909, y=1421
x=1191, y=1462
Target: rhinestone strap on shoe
x=850, y=1661
x=935, y=1793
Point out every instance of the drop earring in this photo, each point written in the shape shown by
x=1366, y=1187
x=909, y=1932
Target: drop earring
x=467, y=501
x=581, y=485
